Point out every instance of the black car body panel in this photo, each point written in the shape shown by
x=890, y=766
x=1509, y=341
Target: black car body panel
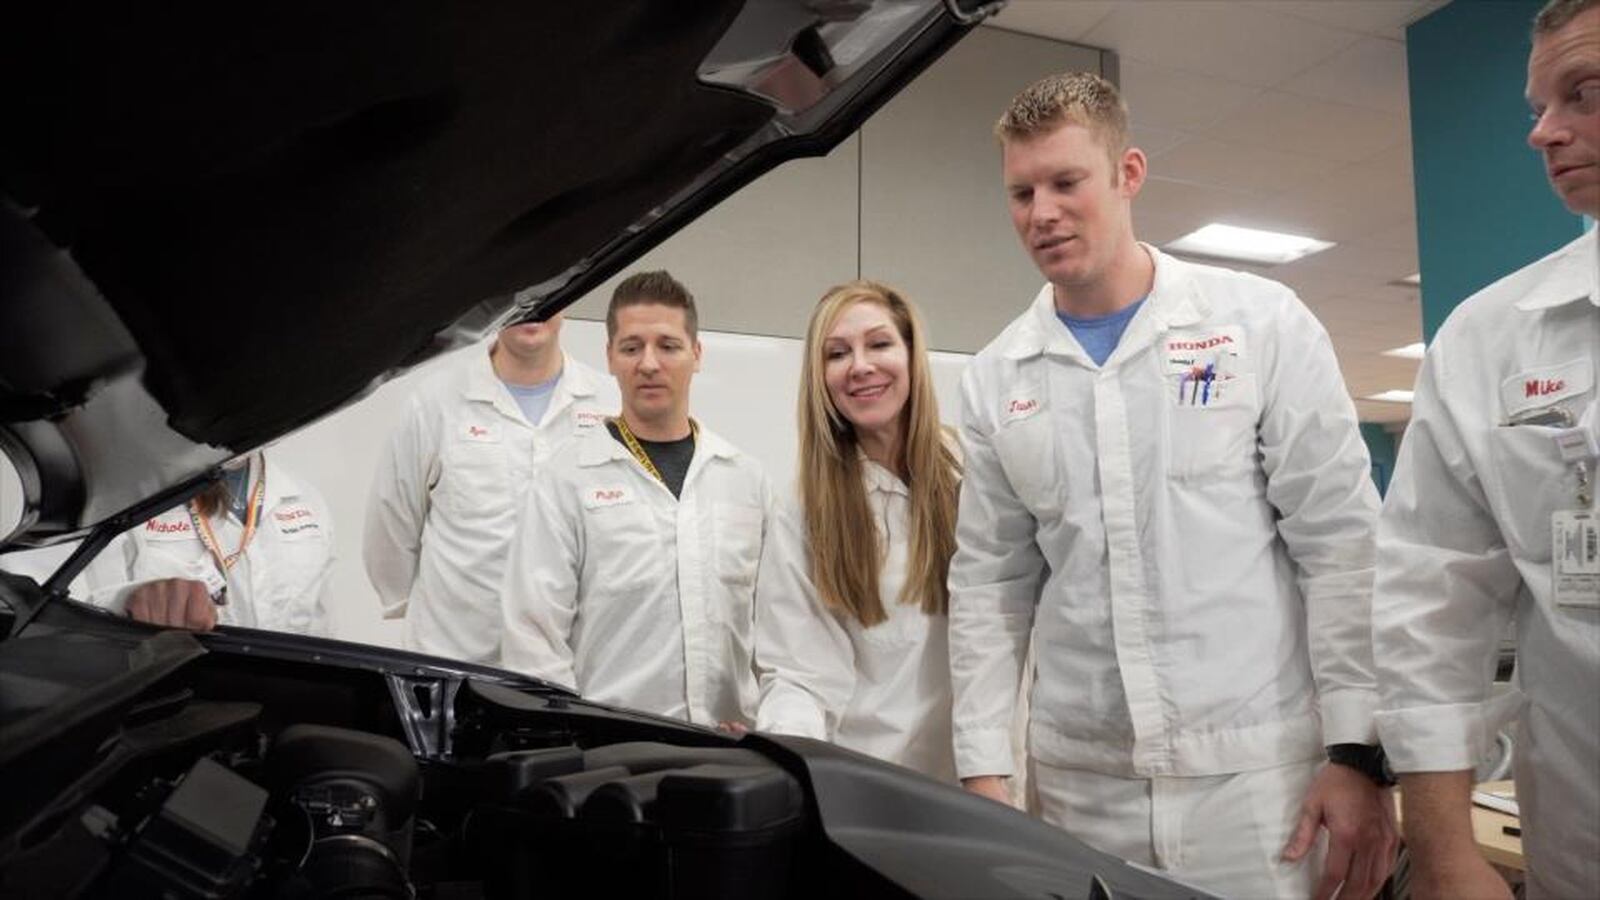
x=217, y=225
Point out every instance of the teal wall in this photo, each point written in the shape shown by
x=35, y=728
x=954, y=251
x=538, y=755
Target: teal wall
x=1484, y=208
x=1381, y=447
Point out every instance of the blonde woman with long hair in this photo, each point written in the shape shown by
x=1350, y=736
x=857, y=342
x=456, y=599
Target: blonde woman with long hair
x=851, y=605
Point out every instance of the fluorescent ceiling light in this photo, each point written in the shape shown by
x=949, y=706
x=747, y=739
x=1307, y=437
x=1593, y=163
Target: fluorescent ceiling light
x=1390, y=396
x=1409, y=351
x=1247, y=244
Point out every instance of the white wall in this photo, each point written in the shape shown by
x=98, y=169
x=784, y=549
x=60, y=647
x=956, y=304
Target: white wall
x=746, y=391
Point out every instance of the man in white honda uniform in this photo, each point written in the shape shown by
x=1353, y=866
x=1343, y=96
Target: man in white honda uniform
x=633, y=572
x=445, y=495
x=1167, y=492
x=1491, y=515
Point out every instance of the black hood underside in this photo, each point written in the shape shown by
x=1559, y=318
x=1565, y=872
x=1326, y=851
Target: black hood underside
x=222, y=222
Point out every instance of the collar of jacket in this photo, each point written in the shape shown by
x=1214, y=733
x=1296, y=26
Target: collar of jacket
x=484, y=386
x=281, y=485
x=1572, y=276
x=878, y=478
x=598, y=447
x=1173, y=303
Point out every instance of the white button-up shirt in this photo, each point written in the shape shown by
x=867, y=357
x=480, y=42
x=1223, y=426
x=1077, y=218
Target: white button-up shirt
x=1186, y=532
x=1466, y=544
x=635, y=597
x=280, y=583
x=445, y=496
x=884, y=690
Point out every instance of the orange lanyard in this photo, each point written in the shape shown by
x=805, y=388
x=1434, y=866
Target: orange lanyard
x=202, y=528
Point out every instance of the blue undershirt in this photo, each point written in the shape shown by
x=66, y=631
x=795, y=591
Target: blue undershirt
x=1099, y=335
x=534, y=399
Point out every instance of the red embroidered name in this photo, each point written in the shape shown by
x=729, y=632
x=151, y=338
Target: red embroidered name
x=475, y=431
x=1021, y=406
x=1206, y=344
x=1543, y=387
x=289, y=515
x=614, y=494
x=160, y=527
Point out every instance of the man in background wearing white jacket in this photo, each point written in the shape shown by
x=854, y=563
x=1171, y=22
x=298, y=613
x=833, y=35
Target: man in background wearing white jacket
x=1492, y=515
x=633, y=572
x=1167, y=492
x=444, y=498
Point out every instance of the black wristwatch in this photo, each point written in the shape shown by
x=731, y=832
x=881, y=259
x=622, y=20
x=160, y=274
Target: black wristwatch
x=1368, y=759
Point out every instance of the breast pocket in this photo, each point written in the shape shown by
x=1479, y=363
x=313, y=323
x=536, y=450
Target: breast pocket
x=1209, y=436
x=291, y=583
x=476, y=480
x=1535, y=483
x=1026, y=451
x=736, y=538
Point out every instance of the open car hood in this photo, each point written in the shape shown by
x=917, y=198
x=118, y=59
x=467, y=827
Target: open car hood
x=217, y=226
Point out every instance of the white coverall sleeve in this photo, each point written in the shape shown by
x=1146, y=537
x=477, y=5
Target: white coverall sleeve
x=1319, y=478
x=397, y=508
x=539, y=599
x=805, y=663
x=1446, y=588
x=995, y=578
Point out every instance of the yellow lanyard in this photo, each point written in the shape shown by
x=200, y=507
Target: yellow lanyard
x=632, y=443
x=202, y=528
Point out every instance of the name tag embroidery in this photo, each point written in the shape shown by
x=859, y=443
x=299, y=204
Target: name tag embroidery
x=585, y=419
x=606, y=495
x=1542, y=387
x=173, y=529
x=482, y=434
x=1018, y=408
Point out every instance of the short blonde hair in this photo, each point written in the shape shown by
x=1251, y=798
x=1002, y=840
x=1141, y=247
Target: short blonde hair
x=1070, y=98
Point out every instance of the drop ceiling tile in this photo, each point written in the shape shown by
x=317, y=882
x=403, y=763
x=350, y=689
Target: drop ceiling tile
x=1155, y=141
x=1320, y=128
x=1242, y=167
x=1223, y=40
x=1052, y=18
x=1370, y=73
x=1383, y=18
x=1173, y=99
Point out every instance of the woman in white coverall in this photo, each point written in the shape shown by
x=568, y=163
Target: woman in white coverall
x=253, y=550
x=851, y=639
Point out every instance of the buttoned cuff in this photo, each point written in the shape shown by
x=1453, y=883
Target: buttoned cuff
x=1347, y=716
x=1447, y=737
x=984, y=751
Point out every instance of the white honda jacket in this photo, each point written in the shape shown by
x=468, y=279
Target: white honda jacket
x=1186, y=531
x=884, y=690
x=279, y=584
x=445, y=496
x=1466, y=543
x=635, y=597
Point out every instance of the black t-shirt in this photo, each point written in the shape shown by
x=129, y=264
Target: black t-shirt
x=671, y=458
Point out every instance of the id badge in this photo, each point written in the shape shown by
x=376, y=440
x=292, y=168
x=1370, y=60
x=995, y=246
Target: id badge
x=1575, y=558
x=216, y=586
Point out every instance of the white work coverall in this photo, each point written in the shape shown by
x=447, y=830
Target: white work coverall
x=884, y=690
x=279, y=584
x=444, y=499
x=632, y=596
x=1466, y=542
x=1186, y=532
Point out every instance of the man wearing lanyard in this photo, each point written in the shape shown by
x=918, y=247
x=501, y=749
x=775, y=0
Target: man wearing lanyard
x=254, y=549
x=1491, y=514
x=633, y=571
x=444, y=498
x=1167, y=493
